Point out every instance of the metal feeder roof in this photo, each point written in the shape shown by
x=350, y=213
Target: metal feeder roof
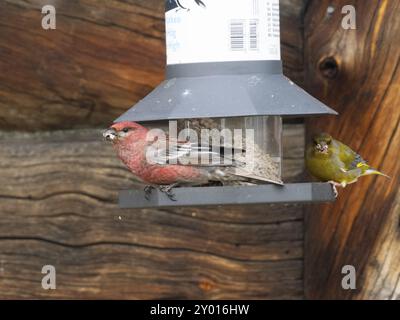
x=225, y=89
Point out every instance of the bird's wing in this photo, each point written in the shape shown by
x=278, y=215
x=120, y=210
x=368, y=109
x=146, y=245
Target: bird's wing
x=358, y=162
x=349, y=157
x=168, y=151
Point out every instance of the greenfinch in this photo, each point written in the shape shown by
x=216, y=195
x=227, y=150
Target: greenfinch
x=330, y=160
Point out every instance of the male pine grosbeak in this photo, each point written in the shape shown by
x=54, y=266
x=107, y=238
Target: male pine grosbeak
x=167, y=167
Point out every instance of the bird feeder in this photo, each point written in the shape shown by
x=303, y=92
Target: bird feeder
x=224, y=71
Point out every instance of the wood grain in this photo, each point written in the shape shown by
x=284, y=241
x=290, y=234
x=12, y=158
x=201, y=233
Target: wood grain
x=357, y=72
x=103, y=57
x=58, y=206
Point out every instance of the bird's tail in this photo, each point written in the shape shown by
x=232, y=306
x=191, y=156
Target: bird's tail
x=371, y=171
x=255, y=178
x=200, y=3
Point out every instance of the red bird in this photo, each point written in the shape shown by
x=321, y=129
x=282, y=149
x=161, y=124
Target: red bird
x=160, y=162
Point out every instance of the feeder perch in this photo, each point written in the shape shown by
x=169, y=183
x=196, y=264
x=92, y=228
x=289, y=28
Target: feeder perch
x=224, y=69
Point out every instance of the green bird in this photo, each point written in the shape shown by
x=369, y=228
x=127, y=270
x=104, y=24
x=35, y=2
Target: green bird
x=331, y=161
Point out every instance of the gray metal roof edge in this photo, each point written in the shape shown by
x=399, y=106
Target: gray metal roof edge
x=149, y=119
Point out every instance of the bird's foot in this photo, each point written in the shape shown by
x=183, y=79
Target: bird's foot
x=147, y=191
x=334, y=184
x=335, y=192
x=168, y=191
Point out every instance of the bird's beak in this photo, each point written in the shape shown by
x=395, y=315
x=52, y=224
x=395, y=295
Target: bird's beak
x=322, y=147
x=110, y=134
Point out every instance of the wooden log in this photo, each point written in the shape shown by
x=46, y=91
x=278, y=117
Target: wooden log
x=58, y=206
x=356, y=72
x=102, y=58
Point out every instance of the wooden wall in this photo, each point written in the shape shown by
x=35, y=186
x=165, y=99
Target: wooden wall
x=102, y=58
x=58, y=187
x=58, y=194
x=59, y=181
x=357, y=72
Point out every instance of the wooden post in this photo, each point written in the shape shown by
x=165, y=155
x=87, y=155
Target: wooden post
x=357, y=72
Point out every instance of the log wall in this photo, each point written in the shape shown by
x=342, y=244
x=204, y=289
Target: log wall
x=58, y=206
x=357, y=72
x=58, y=189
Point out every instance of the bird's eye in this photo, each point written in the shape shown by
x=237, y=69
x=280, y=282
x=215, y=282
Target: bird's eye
x=125, y=129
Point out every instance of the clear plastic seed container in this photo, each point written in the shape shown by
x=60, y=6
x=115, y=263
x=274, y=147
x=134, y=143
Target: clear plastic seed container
x=254, y=143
